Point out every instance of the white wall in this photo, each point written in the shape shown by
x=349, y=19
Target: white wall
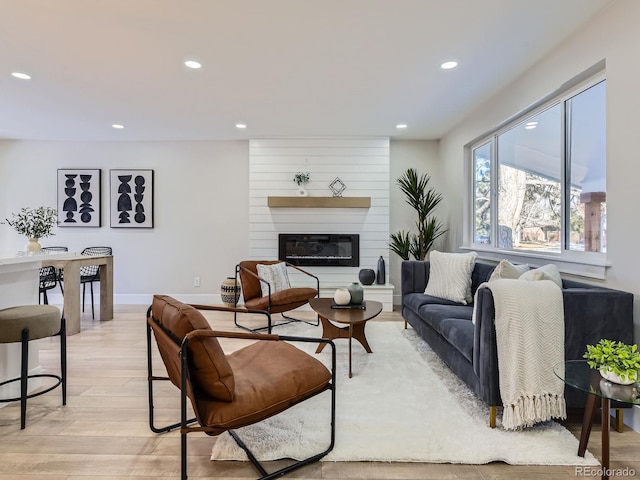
x=361, y=164
x=200, y=210
x=615, y=37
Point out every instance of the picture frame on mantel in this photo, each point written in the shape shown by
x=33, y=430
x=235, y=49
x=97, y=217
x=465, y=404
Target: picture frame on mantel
x=79, y=197
x=131, y=198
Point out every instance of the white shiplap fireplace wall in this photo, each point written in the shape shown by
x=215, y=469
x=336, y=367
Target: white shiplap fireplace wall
x=363, y=166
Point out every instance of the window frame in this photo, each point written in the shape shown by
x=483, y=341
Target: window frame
x=587, y=264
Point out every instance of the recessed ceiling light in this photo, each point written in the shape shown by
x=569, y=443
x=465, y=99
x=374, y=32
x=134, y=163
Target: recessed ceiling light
x=530, y=127
x=193, y=64
x=449, y=65
x=21, y=76
x=241, y=125
x=529, y=124
x=117, y=126
x=401, y=125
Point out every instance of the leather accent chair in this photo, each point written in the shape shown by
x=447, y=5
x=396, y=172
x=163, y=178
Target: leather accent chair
x=257, y=297
x=260, y=380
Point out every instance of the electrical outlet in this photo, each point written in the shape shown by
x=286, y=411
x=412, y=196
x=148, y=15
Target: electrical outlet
x=196, y=281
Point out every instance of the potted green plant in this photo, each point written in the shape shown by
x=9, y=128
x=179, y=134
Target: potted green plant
x=33, y=223
x=424, y=200
x=616, y=361
x=301, y=179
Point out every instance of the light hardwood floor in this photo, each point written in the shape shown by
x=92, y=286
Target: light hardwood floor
x=103, y=431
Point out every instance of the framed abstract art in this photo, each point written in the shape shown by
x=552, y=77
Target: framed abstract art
x=131, y=198
x=78, y=198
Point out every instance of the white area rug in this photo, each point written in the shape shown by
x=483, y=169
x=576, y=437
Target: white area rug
x=402, y=404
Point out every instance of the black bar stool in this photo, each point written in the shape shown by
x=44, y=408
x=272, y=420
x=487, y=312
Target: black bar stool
x=31, y=322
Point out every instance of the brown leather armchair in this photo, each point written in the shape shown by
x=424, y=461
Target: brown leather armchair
x=256, y=297
x=260, y=380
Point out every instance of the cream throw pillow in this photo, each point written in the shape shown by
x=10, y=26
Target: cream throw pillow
x=546, y=272
x=276, y=275
x=507, y=270
x=450, y=276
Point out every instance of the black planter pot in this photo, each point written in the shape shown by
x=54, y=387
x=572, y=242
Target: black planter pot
x=366, y=276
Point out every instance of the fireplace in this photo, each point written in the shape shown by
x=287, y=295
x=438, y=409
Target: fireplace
x=311, y=250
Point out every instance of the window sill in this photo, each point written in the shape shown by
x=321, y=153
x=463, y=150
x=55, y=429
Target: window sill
x=593, y=268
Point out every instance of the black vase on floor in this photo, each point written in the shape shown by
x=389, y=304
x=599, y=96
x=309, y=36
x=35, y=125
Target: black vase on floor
x=366, y=276
x=381, y=277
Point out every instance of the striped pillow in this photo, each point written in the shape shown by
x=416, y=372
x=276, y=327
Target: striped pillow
x=450, y=276
x=506, y=269
x=276, y=275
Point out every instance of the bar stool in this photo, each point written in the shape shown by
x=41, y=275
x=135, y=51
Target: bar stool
x=31, y=322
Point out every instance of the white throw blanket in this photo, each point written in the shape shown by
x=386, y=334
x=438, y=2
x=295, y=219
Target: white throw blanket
x=530, y=341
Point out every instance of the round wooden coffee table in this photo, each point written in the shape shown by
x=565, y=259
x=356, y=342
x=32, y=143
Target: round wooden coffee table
x=354, y=318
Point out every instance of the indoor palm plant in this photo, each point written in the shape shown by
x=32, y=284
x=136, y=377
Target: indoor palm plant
x=33, y=223
x=616, y=361
x=423, y=200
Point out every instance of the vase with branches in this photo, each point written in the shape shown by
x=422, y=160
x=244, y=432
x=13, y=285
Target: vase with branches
x=423, y=199
x=301, y=179
x=33, y=223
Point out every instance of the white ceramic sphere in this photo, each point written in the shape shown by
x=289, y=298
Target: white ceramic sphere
x=342, y=296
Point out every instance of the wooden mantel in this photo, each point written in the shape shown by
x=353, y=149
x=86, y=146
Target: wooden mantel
x=319, y=202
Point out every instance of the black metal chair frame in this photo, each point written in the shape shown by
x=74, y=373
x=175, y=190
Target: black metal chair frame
x=91, y=274
x=185, y=422
x=48, y=279
x=24, y=373
x=288, y=318
x=59, y=275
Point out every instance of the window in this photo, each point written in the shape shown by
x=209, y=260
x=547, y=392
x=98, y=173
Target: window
x=539, y=182
x=588, y=177
x=482, y=194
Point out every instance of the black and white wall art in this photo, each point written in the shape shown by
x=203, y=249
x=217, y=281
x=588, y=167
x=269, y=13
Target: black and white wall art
x=131, y=198
x=78, y=198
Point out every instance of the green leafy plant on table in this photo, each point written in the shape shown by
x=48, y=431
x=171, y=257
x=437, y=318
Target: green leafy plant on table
x=34, y=222
x=616, y=357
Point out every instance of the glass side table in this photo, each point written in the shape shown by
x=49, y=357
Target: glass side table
x=577, y=374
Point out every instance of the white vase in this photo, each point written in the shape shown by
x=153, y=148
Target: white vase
x=615, y=378
x=342, y=296
x=32, y=246
x=302, y=192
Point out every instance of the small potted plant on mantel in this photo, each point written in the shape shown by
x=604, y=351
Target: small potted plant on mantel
x=33, y=223
x=616, y=361
x=301, y=179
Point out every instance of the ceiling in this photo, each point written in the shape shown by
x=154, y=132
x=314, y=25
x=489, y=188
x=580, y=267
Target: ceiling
x=286, y=68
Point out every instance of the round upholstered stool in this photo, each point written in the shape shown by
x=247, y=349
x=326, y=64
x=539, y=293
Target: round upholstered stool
x=31, y=322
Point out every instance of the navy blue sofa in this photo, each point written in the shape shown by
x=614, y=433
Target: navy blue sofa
x=590, y=312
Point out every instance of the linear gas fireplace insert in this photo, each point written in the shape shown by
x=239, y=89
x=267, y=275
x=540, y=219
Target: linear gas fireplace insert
x=318, y=249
